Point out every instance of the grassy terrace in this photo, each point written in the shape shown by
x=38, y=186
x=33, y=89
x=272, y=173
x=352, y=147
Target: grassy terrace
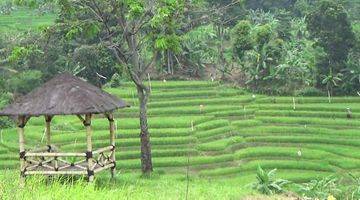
x=218, y=131
x=23, y=19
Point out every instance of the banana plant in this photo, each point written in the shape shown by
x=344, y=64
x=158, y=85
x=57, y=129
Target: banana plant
x=267, y=183
x=331, y=80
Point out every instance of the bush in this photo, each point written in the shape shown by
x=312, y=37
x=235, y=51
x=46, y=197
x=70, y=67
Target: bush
x=115, y=81
x=320, y=189
x=310, y=92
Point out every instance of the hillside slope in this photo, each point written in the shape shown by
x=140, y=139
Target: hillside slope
x=218, y=131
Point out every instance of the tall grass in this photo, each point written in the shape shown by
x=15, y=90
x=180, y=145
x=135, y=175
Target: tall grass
x=126, y=186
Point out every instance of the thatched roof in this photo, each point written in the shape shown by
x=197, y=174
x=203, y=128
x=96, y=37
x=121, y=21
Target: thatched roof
x=65, y=94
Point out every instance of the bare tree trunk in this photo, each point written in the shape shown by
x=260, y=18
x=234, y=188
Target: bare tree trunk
x=146, y=161
x=143, y=95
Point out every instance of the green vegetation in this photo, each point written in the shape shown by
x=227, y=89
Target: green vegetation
x=267, y=183
x=210, y=66
x=126, y=186
x=263, y=131
x=23, y=19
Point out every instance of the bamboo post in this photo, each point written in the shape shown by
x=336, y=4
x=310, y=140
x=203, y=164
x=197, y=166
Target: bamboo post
x=112, y=143
x=47, y=131
x=21, y=125
x=89, y=156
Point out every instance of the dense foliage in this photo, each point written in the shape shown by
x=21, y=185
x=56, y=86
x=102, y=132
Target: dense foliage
x=293, y=47
x=280, y=47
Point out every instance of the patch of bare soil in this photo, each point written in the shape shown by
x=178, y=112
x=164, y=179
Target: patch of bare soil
x=288, y=196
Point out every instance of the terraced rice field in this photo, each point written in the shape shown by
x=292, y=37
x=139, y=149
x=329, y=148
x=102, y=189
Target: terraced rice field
x=218, y=131
x=24, y=19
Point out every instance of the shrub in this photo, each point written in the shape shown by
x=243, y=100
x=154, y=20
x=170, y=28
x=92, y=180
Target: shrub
x=267, y=183
x=319, y=189
x=310, y=92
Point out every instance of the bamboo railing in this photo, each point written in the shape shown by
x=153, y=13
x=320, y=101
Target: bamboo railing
x=57, y=163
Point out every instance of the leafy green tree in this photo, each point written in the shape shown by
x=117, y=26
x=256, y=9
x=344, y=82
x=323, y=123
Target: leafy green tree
x=271, y=62
x=23, y=82
x=242, y=39
x=269, y=5
x=329, y=25
x=136, y=32
x=96, y=63
x=198, y=49
x=351, y=78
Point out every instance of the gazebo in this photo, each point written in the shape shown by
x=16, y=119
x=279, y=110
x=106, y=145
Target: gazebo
x=65, y=94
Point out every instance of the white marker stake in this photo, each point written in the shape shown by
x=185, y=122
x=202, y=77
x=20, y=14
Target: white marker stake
x=2, y=141
x=192, y=125
x=294, y=105
x=244, y=112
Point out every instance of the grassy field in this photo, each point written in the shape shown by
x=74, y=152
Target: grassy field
x=221, y=133
x=126, y=186
x=23, y=19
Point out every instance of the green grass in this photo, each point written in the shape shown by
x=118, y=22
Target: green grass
x=179, y=93
x=212, y=125
x=294, y=130
x=333, y=123
x=317, y=114
x=303, y=100
x=334, y=107
x=176, y=84
x=292, y=153
x=246, y=123
x=219, y=145
x=205, y=134
x=131, y=142
x=304, y=139
x=126, y=186
x=241, y=100
x=23, y=19
x=216, y=131
x=251, y=166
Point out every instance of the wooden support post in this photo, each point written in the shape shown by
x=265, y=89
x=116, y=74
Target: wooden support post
x=47, y=131
x=21, y=125
x=89, y=155
x=112, y=142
